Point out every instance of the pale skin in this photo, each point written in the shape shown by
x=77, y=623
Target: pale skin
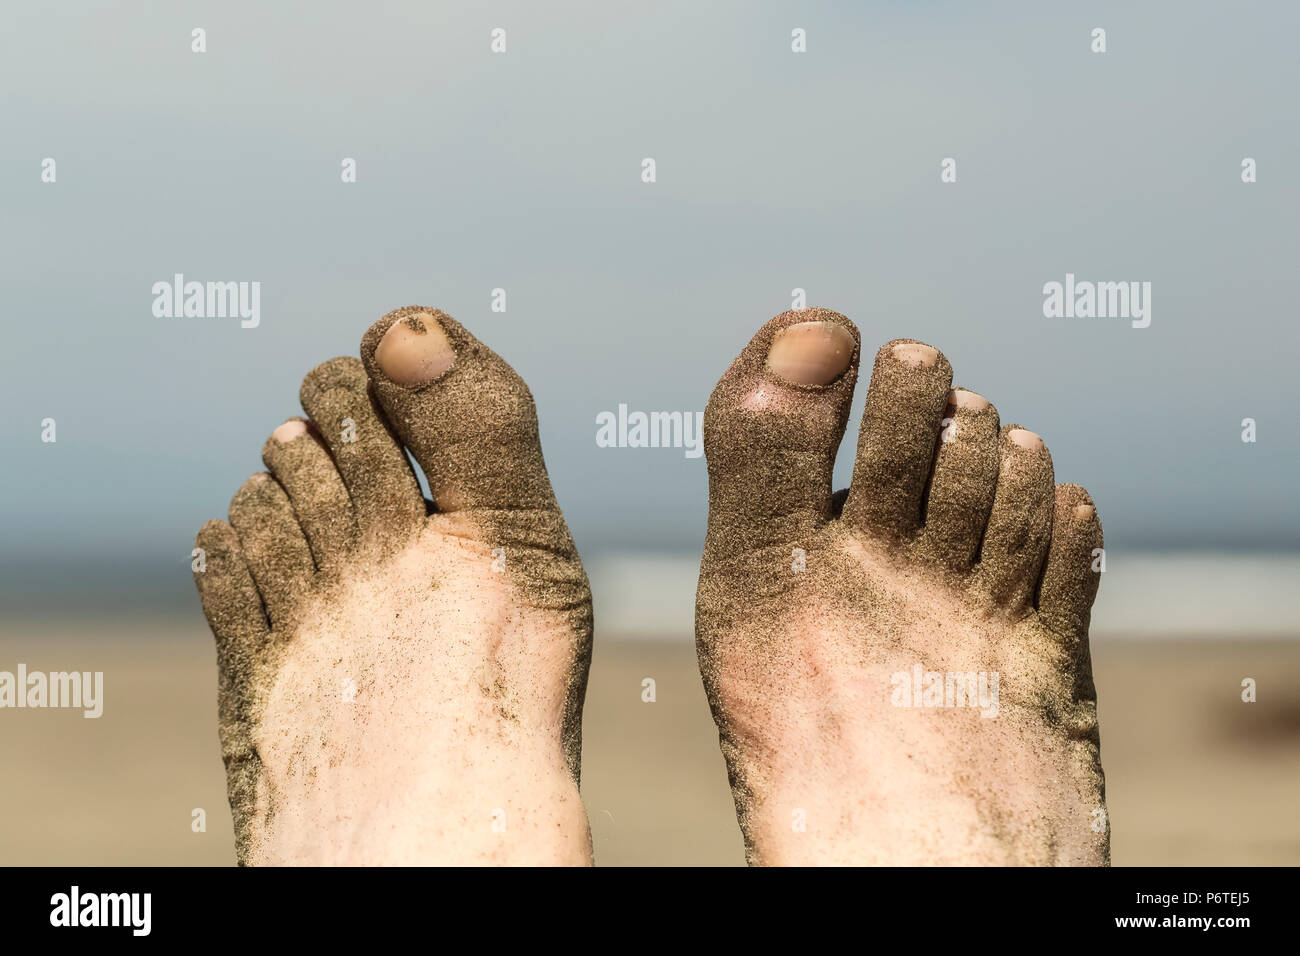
x=401, y=681
x=951, y=554
x=406, y=696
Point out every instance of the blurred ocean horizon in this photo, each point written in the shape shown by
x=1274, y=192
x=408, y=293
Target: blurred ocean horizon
x=1174, y=594
x=650, y=595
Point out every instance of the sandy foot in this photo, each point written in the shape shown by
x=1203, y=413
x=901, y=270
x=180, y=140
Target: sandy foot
x=899, y=673
x=402, y=682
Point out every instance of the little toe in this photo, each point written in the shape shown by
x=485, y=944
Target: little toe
x=234, y=611
x=1074, y=562
x=229, y=596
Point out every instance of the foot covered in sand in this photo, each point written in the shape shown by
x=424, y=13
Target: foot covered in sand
x=899, y=673
x=402, y=681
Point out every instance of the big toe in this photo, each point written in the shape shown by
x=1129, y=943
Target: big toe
x=771, y=430
x=466, y=416
x=469, y=420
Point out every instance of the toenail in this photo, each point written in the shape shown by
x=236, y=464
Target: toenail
x=414, y=351
x=811, y=353
x=1026, y=439
x=290, y=430
x=1084, y=512
x=914, y=353
x=971, y=401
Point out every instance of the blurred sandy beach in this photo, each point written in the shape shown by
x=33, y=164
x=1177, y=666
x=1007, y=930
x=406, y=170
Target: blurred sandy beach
x=614, y=202
x=1194, y=775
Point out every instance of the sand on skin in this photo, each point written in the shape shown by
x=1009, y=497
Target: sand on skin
x=1194, y=776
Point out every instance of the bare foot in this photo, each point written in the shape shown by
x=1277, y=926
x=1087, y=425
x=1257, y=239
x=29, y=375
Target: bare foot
x=899, y=675
x=400, y=684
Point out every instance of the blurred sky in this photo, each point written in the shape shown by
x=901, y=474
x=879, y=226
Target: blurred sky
x=775, y=171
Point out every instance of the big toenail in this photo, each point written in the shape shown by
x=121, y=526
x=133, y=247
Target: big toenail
x=414, y=351
x=914, y=353
x=1026, y=439
x=1084, y=512
x=811, y=353
x=971, y=401
x=290, y=430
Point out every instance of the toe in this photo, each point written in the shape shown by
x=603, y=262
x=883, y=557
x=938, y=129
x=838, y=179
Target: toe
x=1020, y=521
x=303, y=467
x=229, y=597
x=964, y=481
x=900, y=428
x=1073, y=569
x=385, y=496
x=234, y=612
x=273, y=544
x=466, y=416
x=771, y=430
